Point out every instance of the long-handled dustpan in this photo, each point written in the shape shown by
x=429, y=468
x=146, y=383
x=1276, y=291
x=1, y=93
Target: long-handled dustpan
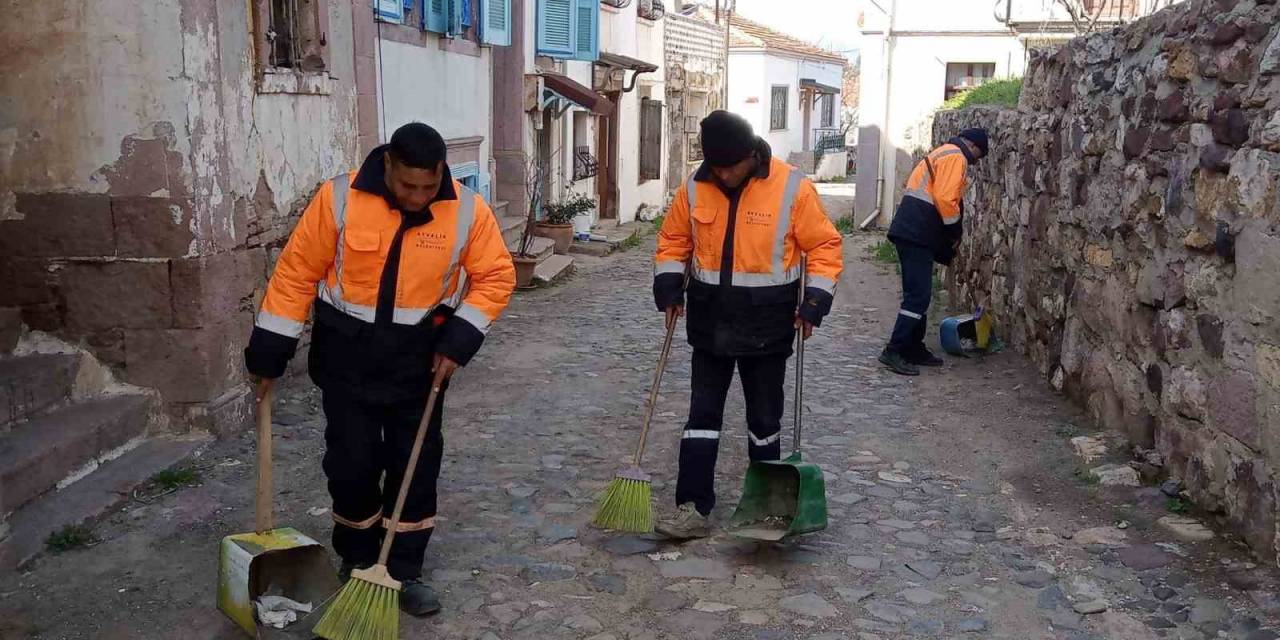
x=270, y=561
x=788, y=497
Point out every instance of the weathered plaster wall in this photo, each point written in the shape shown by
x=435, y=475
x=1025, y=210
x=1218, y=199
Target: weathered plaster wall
x=144, y=181
x=1126, y=232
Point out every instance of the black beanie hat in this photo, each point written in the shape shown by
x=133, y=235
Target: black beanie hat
x=727, y=139
x=978, y=137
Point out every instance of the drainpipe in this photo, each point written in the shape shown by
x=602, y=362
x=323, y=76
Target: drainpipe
x=885, y=147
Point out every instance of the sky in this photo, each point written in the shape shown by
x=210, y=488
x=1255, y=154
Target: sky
x=830, y=23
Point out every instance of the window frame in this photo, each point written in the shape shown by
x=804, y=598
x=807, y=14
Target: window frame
x=786, y=106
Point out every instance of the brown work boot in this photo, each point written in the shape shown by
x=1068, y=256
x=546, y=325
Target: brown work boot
x=686, y=524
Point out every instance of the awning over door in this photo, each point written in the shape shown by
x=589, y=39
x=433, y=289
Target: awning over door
x=565, y=88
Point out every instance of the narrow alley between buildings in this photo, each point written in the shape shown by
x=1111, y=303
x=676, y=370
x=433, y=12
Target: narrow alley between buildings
x=956, y=506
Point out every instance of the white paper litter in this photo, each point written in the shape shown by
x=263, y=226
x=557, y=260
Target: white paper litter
x=278, y=611
x=317, y=511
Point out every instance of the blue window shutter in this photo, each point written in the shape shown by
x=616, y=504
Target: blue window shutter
x=390, y=10
x=586, y=25
x=466, y=13
x=435, y=16
x=495, y=22
x=409, y=4
x=555, y=28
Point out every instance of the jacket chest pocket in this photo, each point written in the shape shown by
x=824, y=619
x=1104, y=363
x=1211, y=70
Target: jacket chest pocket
x=707, y=239
x=361, y=258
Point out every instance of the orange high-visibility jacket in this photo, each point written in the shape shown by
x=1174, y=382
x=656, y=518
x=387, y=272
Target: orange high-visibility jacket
x=932, y=208
x=778, y=216
x=454, y=271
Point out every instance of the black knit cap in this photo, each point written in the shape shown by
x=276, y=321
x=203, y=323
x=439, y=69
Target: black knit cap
x=978, y=137
x=727, y=139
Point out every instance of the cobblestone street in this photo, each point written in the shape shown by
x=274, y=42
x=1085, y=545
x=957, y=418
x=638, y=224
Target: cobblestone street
x=955, y=506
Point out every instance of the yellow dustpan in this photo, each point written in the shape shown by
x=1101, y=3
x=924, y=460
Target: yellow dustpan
x=270, y=561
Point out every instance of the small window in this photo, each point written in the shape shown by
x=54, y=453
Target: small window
x=962, y=76
x=778, y=108
x=291, y=34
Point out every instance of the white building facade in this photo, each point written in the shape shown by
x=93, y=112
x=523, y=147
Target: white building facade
x=915, y=54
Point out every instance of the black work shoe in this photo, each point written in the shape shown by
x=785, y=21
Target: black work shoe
x=344, y=572
x=898, y=364
x=418, y=599
x=924, y=358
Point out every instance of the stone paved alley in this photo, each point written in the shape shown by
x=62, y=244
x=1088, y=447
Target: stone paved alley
x=956, y=507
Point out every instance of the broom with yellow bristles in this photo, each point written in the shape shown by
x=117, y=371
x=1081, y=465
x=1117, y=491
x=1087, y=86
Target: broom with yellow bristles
x=368, y=606
x=626, y=504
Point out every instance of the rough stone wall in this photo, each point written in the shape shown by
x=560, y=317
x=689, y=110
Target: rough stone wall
x=694, y=53
x=144, y=180
x=1126, y=232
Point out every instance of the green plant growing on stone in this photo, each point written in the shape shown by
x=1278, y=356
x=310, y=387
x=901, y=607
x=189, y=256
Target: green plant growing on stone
x=657, y=222
x=70, y=537
x=1177, y=505
x=997, y=92
x=1086, y=476
x=632, y=241
x=174, y=479
x=846, y=225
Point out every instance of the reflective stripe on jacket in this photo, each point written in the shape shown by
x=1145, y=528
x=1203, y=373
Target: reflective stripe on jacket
x=776, y=217
x=453, y=270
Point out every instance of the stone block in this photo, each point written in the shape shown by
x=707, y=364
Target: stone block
x=27, y=281
x=105, y=295
x=1230, y=127
x=1210, y=330
x=10, y=328
x=1269, y=65
x=1253, y=175
x=186, y=365
x=1257, y=298
x=59, y=225
x=210, y=289
x=1268, y=357
x=153, y=227
x=1186, y=394
x=1233, y=406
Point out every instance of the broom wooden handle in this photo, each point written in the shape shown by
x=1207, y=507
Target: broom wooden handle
x=265, y=517
x=672, y=321
x=423, y=425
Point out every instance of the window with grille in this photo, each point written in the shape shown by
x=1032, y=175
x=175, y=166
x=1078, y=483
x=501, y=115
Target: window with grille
x=778, y=108
x=291, y=34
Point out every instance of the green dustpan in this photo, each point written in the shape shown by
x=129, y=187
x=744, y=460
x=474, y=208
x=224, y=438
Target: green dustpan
x=788, y=497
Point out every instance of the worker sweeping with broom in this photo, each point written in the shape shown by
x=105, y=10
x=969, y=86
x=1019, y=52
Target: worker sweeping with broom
x=742, y=223
x=410, y=270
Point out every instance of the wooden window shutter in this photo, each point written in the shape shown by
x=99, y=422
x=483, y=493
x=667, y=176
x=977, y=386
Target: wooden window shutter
x=650, y=139
x=555, y=28
x=496, y=19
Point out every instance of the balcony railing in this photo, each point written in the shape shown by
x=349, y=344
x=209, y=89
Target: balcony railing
x=584, y=164
x=616, y=4
x=651, y=9
x=825, y=141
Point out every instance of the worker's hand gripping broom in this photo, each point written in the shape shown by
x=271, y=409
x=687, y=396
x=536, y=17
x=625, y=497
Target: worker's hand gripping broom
x=626, y=504
x=368, y=606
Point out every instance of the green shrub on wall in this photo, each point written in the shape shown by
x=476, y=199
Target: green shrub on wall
x=997, y=92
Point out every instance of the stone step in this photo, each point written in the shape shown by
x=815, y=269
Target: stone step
x=500, y=208
x=31, y=385
x=55, y=449
x=22, y=536
x=541, y=248
x=614, y=236
x=552, y=269
x=512, y=228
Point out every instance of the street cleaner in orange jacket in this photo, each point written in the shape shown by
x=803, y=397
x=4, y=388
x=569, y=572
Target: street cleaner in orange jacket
x=927, y=228
x=741, y=223
x=410, y=270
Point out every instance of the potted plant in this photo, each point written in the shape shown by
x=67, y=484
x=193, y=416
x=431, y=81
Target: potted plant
x=557, y=221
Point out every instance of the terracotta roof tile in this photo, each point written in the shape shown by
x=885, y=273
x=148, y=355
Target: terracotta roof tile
x=750, y=34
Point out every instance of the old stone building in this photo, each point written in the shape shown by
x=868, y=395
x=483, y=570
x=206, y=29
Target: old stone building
x=1126, y=233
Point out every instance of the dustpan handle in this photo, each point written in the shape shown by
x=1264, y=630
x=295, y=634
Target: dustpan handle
x=799, y=399
x=423, y=425
x=265, y=516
